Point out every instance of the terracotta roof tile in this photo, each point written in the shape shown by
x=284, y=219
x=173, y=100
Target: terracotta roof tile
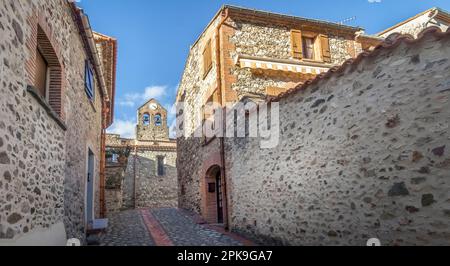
x=391, y=42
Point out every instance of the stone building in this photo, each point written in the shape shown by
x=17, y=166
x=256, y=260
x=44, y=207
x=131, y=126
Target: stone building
x=362, y=150
x=57, y=90
x=147, y=173
x=245, y=54
x=434, y=17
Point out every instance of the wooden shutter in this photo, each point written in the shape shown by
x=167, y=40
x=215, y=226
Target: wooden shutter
x=325, y=44
x=216, y=97
x=207, y=59
x=297, y=44
x=40, y=82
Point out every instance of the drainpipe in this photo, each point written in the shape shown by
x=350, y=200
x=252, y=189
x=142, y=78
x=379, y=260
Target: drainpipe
x=86, y=31
x=103, y=163
x=222, y=92
x=134, y=175
x=433, y=16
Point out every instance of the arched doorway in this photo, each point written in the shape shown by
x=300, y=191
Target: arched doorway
x=214, y=196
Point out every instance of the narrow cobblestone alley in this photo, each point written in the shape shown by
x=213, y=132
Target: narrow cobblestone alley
x=163, y=227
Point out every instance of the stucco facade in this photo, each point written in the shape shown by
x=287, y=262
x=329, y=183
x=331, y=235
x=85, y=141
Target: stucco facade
x=44, y=142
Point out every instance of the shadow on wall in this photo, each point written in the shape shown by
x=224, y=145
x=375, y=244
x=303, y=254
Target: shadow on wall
x=145, y=188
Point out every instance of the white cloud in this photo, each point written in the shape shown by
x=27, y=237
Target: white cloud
x=171, y=109
x=154, y=92
x=125, y=128
x=133, y=99
x=171, y=116
x=374, y=1
x=172, y=129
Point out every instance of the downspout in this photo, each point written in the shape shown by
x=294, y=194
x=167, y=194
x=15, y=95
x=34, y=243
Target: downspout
x=103, y=163
x=134, y=175
x=222, y=92
x=433, y=16
x=105, y=99
x=86, y=32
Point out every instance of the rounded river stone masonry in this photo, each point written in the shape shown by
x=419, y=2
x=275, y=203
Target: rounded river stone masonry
x=374, y=163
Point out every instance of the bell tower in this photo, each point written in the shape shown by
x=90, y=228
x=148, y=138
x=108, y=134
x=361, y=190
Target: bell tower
x=152, y=122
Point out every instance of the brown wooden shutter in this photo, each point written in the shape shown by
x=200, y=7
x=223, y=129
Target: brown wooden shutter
x=40, y=82
x=207, y=59
x=325, y=44
x=297, y=44
x=216, y=97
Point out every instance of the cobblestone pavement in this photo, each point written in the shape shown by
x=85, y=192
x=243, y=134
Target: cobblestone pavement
x=126, y=229
x=183, y=231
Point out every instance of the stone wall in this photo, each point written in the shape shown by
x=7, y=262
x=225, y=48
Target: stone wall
x=113, y=139
x=128, y=190
x=114, y=200
x=361, y=155
x=274, y=42
x=152, y=191
x=417, y=25
x=115, y=173
x=194, y=160
x=190, y=151
x=238, y=36
x=43, y=163
x=196, y=87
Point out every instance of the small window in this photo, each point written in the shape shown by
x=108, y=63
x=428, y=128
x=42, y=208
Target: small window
x=158, y=120
x=308, y=47
x=89, y=80
x=41, y=74
x=114, y=158
x=146, y=119
x=160, y=167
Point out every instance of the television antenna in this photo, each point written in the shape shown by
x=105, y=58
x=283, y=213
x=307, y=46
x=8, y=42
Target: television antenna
x=347, y=20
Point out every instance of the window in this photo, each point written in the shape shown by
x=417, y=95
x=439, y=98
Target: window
x=158, y=120
x=325, y=45
x=308, y=47
x=41, y=74
x=113, y=158
x=146, y=119
x=89, y=80
x=160, y=167
x=207, y=59
x=46, y=75
x=296, y=44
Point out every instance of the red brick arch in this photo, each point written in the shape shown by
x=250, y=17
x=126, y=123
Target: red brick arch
x=210, y=197
x=211, y=163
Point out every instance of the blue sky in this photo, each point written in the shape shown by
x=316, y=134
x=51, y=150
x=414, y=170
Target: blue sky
x=154, y=37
